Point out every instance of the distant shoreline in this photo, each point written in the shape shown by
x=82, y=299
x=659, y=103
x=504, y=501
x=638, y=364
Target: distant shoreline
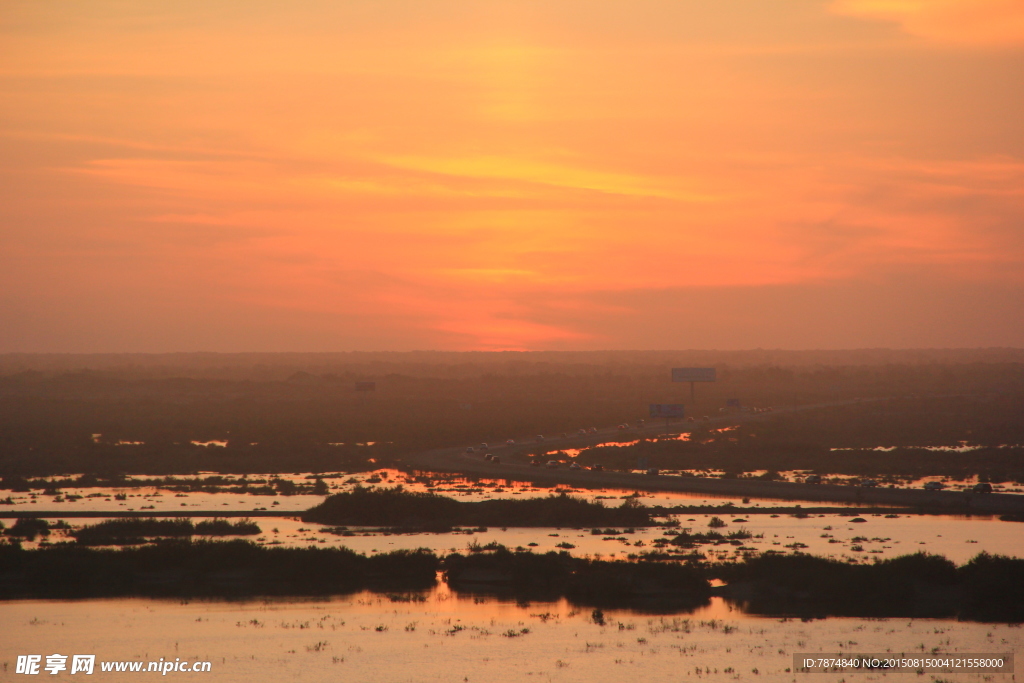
x=656, y=511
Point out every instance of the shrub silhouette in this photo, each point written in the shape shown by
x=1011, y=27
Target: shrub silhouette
x=29, y=527
x=993, y=588
x=919, y=585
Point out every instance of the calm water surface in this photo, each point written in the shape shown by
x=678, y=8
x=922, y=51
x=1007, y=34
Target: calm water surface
x=439, y=636
x=370, y=637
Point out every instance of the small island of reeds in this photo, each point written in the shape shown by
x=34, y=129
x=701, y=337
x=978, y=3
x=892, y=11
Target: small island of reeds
x=396, y=507
x=132, y=531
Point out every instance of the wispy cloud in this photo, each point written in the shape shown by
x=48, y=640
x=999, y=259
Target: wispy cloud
x=966, y=22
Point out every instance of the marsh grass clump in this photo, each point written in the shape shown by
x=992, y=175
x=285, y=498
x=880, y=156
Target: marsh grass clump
x=513, y=633
x=689, y=540
x=222, y=527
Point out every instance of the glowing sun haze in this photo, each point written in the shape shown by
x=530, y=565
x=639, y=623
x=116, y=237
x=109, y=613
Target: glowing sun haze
x=572, y=174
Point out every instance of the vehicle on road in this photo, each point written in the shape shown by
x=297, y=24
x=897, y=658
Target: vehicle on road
x=813, y=479
x=582, y=431
x=653, y=472
x=510, y=442
x=982, y=487
x=535, y=463
x=575, y=466
x=868, y=483
x=470, y=450
x=540, y=437
x=496, y=460
x=597, y=468
x=484, y=446
x=934, y=486
x=552, y=464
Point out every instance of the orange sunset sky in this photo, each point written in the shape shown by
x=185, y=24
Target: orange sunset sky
x=232, y=175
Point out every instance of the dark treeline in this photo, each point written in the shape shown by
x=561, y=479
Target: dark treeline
x=393, y=507
x=132, y=531
x=206, y=568
x=301, y=412
x=804, y=441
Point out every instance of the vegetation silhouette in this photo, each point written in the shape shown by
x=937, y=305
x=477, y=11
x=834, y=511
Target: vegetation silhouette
x=987, y=588
x=396, y=507
x=691, y=540
x=182, y=567
x=131, y=531
x=526, y=576
x=29, y=527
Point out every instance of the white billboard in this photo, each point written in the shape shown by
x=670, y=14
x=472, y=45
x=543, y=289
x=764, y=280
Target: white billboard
x=694, y=375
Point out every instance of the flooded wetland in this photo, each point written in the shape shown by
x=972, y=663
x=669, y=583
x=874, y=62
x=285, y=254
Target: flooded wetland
x=481, y=632
x=378, y=555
